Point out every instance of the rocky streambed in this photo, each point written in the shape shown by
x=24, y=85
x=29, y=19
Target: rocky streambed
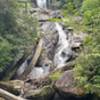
x=47, y=73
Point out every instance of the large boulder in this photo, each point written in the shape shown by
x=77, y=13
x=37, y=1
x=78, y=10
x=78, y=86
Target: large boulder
x=66, y=86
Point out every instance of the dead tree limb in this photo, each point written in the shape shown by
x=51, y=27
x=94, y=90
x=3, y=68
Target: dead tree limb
x=9, y=96
x=34, y=59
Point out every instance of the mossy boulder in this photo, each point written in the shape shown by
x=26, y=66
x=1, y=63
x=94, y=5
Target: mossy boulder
x=66, y=85
x=45, y=93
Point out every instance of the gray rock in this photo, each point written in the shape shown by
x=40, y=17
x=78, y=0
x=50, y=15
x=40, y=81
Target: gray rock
x=66, y=86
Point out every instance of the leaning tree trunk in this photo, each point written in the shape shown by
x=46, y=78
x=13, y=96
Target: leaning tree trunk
x=9, y=96
x=34, y=60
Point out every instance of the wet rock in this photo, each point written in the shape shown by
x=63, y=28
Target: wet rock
x=44, y=15
x=39, y=72
x=63, y=56
x=76, y=42
x=49, y=43
x=45, y=93
x=78, y=19
x=55, y=14
x=66, y=86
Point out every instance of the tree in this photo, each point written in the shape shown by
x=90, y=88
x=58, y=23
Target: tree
x=87, y=69
x=17, y=31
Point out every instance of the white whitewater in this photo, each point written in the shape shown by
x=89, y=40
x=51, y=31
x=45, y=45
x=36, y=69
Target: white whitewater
x=39, y=72
x=42, y=4
x=62, y=35
x=62, y=52
x=22, y=68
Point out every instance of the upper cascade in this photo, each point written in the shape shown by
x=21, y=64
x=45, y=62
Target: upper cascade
x=42, y=4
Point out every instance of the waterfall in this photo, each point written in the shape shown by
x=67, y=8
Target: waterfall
x=63, y=52
x=42, y=4
x=62, y=34
x=39, y=72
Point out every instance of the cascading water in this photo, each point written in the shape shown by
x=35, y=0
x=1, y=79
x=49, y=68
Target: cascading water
x=61, y=55
x=63, y=52
x=42, y=4
x=62, y=34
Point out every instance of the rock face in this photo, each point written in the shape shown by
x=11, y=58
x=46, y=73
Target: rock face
x=66, y=86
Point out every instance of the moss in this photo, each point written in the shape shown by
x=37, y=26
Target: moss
x=46, y=90
x=55, y=76
x=55, y=20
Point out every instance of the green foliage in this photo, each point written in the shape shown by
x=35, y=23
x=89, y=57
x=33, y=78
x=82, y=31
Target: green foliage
x=91, y=14
x=5, y=51
x=87, y=68
x=78, y=4
x=6, y=17
x=56, y=75
x=90, y=5
x=69, y=7
x=17, y=31
x=88, y=72
x=72, y=6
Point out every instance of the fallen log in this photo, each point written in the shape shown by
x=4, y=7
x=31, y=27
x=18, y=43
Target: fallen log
x=9, y=96
x=13, y=86
x=34, y=60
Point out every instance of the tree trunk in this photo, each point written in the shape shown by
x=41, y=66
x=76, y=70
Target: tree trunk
x=34, y=60
x=9, y=96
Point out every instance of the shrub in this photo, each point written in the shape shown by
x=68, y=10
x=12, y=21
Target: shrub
x=17, y=31
x=88, y=72
x=91, y=14
x=5, y=53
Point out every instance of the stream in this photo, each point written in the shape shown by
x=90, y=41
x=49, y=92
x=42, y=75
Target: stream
x=56, y=43
x=57, y=47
